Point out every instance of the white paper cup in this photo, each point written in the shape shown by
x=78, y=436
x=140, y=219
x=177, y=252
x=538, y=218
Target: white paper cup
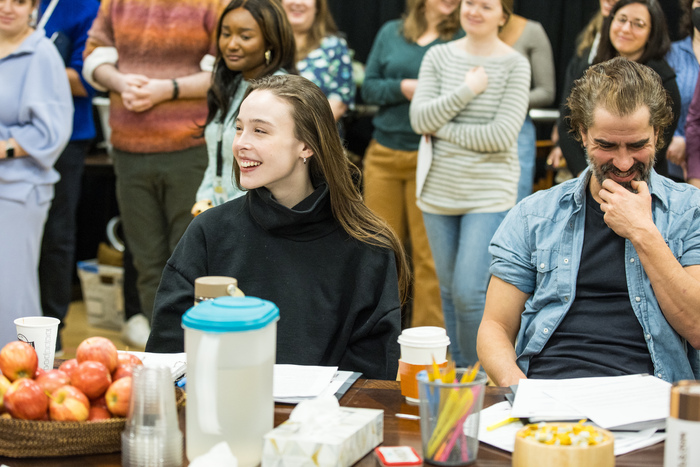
x=40, y=332
x=419, y=346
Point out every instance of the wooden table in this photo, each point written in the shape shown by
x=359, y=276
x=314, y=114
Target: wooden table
x=372, y=394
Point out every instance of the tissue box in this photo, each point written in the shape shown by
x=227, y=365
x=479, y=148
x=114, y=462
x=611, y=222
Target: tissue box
x=341, y=445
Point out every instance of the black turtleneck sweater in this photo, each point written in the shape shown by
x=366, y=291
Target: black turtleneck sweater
x=338, y=297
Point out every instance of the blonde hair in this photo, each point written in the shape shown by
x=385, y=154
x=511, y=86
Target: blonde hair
x=587, y=37
x=323, y=26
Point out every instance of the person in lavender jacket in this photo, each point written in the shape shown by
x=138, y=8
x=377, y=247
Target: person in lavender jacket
x=36, y=115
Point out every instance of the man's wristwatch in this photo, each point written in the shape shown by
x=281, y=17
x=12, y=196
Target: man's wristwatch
x=9, y=150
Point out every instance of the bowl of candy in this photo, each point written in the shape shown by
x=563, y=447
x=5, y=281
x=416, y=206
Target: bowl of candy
x=563, y=445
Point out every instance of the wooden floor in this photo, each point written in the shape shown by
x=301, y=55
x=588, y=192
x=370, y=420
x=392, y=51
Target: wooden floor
x=77, y=329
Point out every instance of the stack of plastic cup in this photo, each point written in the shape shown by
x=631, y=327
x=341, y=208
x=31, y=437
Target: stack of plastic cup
x=152, y=436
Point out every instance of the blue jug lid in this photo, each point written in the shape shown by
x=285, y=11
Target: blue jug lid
x=231, y=314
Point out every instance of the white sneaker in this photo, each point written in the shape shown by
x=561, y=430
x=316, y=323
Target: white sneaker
x=136, y=330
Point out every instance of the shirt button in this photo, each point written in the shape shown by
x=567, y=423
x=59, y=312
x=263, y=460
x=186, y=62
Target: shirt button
x=566, y=299
x=566, y=260
x=545, y=330
x=631, y=260
x=659, y=376
x=637, y=299
x=542, y=266
x=648, y=336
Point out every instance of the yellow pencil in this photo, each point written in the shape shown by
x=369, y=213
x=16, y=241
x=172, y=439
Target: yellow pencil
x=505, y=422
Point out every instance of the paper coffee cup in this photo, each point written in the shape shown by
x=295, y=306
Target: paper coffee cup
x=420, y=346
x=40, y=332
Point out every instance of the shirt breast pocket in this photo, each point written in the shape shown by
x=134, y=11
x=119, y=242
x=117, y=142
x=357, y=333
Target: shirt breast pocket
x=546, y=263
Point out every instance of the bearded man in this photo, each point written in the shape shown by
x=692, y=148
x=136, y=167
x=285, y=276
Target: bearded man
x=600, y=275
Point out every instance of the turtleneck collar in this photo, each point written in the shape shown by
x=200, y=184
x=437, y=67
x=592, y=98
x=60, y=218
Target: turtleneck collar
x=310, y=219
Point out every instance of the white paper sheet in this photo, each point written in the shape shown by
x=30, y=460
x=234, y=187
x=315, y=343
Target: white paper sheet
x=620, y=401
x=301, y=380
x=504, y=437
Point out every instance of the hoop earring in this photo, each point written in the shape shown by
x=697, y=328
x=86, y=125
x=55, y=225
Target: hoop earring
x=268, y=56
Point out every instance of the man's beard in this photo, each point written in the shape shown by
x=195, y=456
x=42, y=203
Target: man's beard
x=602, y=172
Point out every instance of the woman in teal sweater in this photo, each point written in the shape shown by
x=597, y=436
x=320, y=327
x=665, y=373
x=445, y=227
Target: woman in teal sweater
x=390, y=161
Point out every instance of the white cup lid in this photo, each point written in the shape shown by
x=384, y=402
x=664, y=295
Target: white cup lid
x=424, y=336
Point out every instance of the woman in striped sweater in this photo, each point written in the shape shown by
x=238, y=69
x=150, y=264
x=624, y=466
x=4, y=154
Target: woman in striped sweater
x=472, y=97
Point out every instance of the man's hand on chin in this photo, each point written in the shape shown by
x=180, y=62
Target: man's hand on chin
x=627, y=213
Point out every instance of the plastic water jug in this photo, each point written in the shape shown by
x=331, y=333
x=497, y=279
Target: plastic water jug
x=230, y=344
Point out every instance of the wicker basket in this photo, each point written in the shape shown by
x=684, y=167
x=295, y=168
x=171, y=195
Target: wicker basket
x=32, y=438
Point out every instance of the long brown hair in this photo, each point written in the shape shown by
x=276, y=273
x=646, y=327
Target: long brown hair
x=414, y=23
x=323, y=26
x=316, y=128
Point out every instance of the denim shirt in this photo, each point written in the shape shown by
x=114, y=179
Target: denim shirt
x=538, y=247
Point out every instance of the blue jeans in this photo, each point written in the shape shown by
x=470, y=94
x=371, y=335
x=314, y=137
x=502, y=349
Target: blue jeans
x=460, y=250
x=527, y=141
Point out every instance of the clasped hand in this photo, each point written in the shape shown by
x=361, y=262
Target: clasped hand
x=627, y=214
x=142, y=93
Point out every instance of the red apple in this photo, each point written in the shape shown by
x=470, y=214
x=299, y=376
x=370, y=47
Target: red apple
x=118, y=396
x=51, y=380
x=69, y=366
x=98, y=349
x=129, y=358
x=98, y=413
x=24, y=399
x=69, y=404
x=18, y=360
x=39, y=371
x=99, y=402
x=122, y=371
x=92, y=378
x=4, y=384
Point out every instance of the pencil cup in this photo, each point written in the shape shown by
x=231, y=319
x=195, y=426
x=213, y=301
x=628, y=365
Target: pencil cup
x=41, y=333
x=449, y=418
x=420, y=346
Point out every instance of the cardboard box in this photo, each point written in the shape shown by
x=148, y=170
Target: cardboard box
x=102, y=293
x=357, y=432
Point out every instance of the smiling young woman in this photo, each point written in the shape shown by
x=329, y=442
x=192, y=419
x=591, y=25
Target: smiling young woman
x=472, y=96
x=322, y=54
x=301, y=237
x=254, y=40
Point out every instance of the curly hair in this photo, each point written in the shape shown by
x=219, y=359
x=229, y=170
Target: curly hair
x=620, y=86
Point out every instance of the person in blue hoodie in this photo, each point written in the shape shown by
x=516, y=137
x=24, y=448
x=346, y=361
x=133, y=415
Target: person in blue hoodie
x=36, y=120
x=66, y=23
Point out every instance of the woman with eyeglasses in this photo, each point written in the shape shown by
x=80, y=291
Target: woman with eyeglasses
x=636, y=30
